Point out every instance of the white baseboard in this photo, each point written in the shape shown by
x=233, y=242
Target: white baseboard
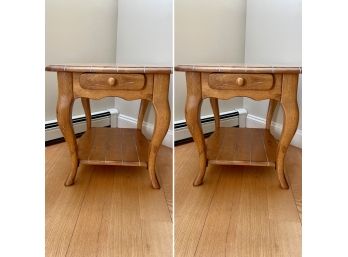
x=207, y=127
x=242, y=113
x=79, y=127
x=253, y=121
x=125, y=121
x=114, y=120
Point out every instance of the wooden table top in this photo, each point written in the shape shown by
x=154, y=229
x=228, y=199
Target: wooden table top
x=239, y=68
x=109, y=68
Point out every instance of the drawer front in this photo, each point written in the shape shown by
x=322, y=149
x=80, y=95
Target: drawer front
x=112, y=81
x=241, y=81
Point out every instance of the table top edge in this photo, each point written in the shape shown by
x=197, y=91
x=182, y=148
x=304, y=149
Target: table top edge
x=108, y=69
x=238, y=68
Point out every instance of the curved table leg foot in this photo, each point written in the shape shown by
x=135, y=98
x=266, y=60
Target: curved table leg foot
x=291, y=116
x=193, y=119
x=64, y=112
x=162, y=120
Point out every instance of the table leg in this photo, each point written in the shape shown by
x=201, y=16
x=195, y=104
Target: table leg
x=214, y=102
x=87, y=108
x=162, y=120
x=192, y=114
x=143, y=106
x=271, y=108
x=64, y=112
x=291, y=115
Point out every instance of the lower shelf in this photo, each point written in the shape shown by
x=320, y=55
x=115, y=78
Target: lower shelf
x=113, y=146
x=242, y=146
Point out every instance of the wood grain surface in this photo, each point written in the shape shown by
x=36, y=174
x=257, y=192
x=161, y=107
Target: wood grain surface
x=112, y=81
x=109, y=68
x=93, y=91
x=290, y=122
x=275, y=83
x=64, y=112
x=239, y=211
x=214, y=102
x=193, y=119
x=111, y=211
x=242, y=146
x=238, y=68
x=269, y=92
x=237, y=81
x=113, y=146
x=96, y=82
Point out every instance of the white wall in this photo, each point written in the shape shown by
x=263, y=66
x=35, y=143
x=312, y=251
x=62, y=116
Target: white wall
x=144, y=34
x=207, y=32
x=78, y=31
x=273, y=36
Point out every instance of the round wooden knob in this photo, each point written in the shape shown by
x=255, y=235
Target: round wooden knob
x=240, y=81
x=111, y=81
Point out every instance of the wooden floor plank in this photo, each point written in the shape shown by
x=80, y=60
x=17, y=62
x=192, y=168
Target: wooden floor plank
x=191, y=204
x=63, y=206
x=131, y=241
x=185, y=172
x=156, y=222
x=285, y=224
x=248, y=233
x=165, y=174
x=110, y=233
x=137, y=221
x=249, y=215
x=293, y=170
x=50, y=157
x=114, y=212
x=85, y=239
x=225, y=201
x=56, y=173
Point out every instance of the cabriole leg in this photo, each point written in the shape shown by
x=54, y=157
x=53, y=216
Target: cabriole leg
x=271, y=108
x=192, y=114
x=291, y=115
x=143, y=106
x=162, y=111
x=214, y=102
x=87, y=108
x=64, y=112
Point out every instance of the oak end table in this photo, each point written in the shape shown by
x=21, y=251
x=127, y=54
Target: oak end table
x=241, y=146
x=113, y=146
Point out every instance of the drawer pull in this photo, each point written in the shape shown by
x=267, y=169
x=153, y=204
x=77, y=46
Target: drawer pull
x=111, y=81
x=240, y=81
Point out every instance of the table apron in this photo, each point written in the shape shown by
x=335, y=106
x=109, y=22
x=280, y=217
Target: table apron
x=144, y=93
x=228, y=94
x=273, y=93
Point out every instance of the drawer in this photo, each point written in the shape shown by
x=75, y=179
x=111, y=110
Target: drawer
x=112, y=81
x=240, y=81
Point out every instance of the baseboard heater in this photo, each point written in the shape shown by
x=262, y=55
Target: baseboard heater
x=227, y=119
x=53, y=134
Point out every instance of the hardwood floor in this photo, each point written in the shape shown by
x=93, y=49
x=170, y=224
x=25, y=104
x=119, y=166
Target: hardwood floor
x=239, y=211
x=113, y=211
x=110, y=211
